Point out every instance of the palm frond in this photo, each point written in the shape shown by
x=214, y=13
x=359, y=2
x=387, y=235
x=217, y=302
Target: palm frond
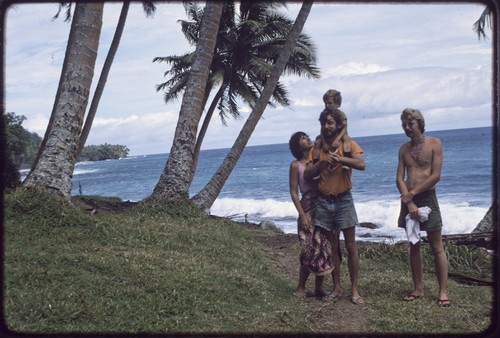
x=480, y=24
x=149, y=8
x=191, y=31
x=63, y=5
x=248, y=44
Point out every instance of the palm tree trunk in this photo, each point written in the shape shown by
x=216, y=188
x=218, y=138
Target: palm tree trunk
x=175, y=178
x=54, y=168
x=104, y=76
x=206, y=197
x=203, y=131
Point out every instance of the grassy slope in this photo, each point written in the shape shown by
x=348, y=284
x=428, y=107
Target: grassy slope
x=166, y=268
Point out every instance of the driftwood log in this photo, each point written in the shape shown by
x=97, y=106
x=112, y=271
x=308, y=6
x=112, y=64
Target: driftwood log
x=478, y=239
x=466, y=279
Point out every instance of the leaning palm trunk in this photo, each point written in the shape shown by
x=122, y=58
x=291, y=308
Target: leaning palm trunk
x=175, y=178
x=104, y=77
x=54, y=167
x=203, y=131
x=206, y=197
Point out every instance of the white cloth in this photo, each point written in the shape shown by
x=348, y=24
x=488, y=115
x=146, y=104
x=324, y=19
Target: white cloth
x=413, y=225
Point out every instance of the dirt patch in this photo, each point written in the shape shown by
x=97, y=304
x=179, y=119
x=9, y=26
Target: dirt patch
x=340, y=316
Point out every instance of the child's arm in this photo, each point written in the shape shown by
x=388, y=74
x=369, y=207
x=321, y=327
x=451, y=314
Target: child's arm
x=336, y=142
x=322, y=144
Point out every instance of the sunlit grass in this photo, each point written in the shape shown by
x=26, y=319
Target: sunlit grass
x=165, y=267
x=151, y=269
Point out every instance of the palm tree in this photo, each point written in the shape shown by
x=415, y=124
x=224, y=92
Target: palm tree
x=247, y=46
x=173, y=182
x=206, y=197
x=149, y=8
x=54, y=166
x=480, y=24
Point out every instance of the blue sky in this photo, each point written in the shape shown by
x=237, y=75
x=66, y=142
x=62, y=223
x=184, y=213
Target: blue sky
x=382, y=57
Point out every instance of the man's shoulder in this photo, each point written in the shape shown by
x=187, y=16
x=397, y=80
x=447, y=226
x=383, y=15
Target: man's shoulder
x=405, y=144
x=353, y=142
x=434, y=141
x=433, y=138
x=355, y=147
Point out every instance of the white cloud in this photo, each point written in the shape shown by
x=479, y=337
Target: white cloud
x=37, y=123
x=355, y=68
x=375, y=54
x=143, y=134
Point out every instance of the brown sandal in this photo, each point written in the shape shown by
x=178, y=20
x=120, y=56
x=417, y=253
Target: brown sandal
x=411, y=297
x=444, y=303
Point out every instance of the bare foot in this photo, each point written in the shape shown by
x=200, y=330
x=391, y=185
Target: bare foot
x=300, y=293
x=336, y=293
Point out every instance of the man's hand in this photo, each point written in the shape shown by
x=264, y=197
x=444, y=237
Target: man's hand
x=413, y=210
x=332, y=157
x=408, y=197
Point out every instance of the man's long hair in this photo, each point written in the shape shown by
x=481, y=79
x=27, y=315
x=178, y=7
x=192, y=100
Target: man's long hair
x=335, y=113
x=414, y=114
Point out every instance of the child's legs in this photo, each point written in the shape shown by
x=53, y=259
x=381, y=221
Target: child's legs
x=346, y=140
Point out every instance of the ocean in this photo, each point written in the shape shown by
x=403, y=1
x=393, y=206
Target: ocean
x=258, y=187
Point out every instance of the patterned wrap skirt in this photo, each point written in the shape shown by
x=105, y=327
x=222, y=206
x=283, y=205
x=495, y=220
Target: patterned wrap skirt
x=316, y=250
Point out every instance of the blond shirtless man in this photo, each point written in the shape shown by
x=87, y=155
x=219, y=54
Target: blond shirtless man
x=421, y=161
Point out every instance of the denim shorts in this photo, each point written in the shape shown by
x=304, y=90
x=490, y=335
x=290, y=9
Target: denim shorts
x=335, y=213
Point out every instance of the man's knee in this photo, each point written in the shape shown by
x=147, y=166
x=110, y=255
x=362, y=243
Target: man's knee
x=436, y=243
x=351, y=245
x=438, y=250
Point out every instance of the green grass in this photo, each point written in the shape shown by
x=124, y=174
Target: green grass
x=168, y=268
x=157, y=268
x=386, y=277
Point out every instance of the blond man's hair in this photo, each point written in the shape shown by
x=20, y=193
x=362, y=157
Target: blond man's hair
x=414, y=114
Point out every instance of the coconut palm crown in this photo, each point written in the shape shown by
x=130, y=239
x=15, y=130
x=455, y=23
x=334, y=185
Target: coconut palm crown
x=248, y=44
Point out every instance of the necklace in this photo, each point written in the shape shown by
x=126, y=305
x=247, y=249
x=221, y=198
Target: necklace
x=420, y=145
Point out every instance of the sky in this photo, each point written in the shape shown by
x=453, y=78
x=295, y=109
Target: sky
x=383, y=58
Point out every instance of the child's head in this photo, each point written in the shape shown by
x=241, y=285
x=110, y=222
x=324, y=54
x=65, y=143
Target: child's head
x=332, y=99
x=294, y=144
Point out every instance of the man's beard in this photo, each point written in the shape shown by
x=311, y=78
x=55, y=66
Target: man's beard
x=329, y=135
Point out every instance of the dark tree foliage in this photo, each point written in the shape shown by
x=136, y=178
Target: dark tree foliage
x=21, y=148
x=103, y=152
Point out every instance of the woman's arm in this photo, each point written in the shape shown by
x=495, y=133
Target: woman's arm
x=294, y=193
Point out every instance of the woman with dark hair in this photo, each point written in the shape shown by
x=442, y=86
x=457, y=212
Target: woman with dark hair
x=316, y=252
